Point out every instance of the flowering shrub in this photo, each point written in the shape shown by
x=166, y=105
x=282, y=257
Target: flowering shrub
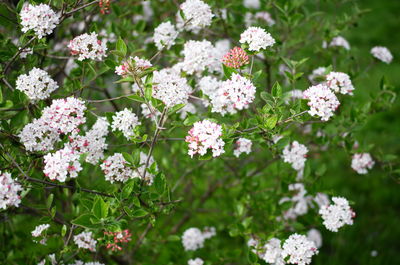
x=173, y=132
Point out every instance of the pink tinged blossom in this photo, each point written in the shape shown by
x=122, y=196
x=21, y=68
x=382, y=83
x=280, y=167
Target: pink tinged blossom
x=235, y=58
x=297, y=249
x=339, y=83
x=242, y=145
x=116, y=238
x=62, y=164
x=362, y=162
x=205, y=135
x=37, y=84
x=85, y=240
x=39, y=18
x=87, y=46
x=322, y=101
x=382, y=53
x=337, y=215
x=256, y=39
x=9, y=191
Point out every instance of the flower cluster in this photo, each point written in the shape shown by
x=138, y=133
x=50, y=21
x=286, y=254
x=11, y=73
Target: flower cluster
x=61, y=164
x=197, y=14
x=116, y=238
x=257, y=39
x=134, y=65
x=382, y=53
x=37, y=232
x=252, y=4
x=205, y=135
x=65, y=115
x=209, y=86
x=93, y=143
x=85, y=240
x=243, y=145
x=266, y=17
x=37, y=84
x=318, y=73
x=193, y=238
x=170, y=87
x=233, y=94
x=9, y=190
x=339, y=82
x=297, y=249
x=299, y=199
x=322, y=101
x=273, y=252
x=165, y=35
x=199, y=56
x=196, y=261
x=235, y=58
x=339, y=41
x=88, y=47
x=38, y=136
x=337, y=215
x=295, y=154
x=116, y=168
x=40, y=18
x=362, y=162
x=125, y=121
x=315, y=236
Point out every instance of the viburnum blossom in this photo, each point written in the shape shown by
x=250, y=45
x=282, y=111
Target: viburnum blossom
x=322, y=101
x=321, y=199
x=62, y=164
x=257, y=39
x=9, y=191
x=134, y=66
x=65, y=115
x=252, y=4
x=233, y=94
x=116, y=238
x=299, y=200
x=315, y=236
x=209, y=85
x=37, y=84
x=116, y=168
x=205, y=135
x=85, y=240
x=382, y=53
x=88, y=46
x=295, y=154
x=197, y=14
x=297, y=249
x=273, y=252
x=37, y=232
x=39, y=18
x=318, y=73
x=339, y=82
x=243, y=145
x=125, y=121
x=165, y=35
x=93, y=143
x=235, y=58
x=339, y=41
x=362, y=162
x=337, y=214
x=198, y=56
x=266, y=17
x=193, y=238
x=170, y=87
x=196, y=261
x=38, y=136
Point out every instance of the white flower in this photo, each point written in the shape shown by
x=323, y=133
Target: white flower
x=337, y=215
x=193, y=238
x=382, y=53
x=199, y=56
x=86, y=241
x=24, y=53
x=256, y=38
x=9, y=190
x=339, y=41
x=40, y=18
x=165, y=35
x=319, y=72
x=295, y=154
x=170, y=87
x=362, y=162
x=209, y=86
x=266, y=17
x=321, y=199
x=322, y=101
x=273, y=252
x=297, y=249
x=233, y=94
x=196, y=261
x=125, y=121
x=38, y=136
x=88, y=47
x=37, y=84
x=299, y=200
x=64, y=115
x=315, y=236
x=339, y=82
x=197, y=14
x=205, y=135
x=243, y=145
x=39, y=230
x=116, y=168
x=252, y=4
x=62, y=163
x=93, y=143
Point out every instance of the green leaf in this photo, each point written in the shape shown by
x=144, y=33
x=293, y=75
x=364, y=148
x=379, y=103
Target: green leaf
x=83, y=221
x=129, y=79
x=63, y=230
x=139, y=213
x=271, y=121
x=136, y=98
x=228, y=71
x=159, y=183
x=176, y=108
x=100, y=208
x=121, y=47
x=49, y=201
x=128, y=158
x=277, y=90
x=190, y=119
x=19, y=120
